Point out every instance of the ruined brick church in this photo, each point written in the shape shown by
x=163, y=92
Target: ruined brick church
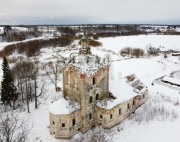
x=90, y=98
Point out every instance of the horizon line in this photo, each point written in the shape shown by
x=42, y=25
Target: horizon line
x=1, y=25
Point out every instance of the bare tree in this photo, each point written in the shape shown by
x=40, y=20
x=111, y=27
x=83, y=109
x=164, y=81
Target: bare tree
x=13, y=128
x=53, y=70
x=38, y=95
x=27, y=68
x=17, y=74
x=27, y=75
x=24, y=74
x=97, y=134
x=35, y=74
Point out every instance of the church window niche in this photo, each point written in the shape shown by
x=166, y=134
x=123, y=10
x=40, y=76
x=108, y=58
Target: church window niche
x=90, y=99
x=63, y=125
x=94, y=81
x=97, y=96
x=128, y=106
x=73, y=122
x=133, y=102
x=90, y=116
x=111, y=116
x=120, y=112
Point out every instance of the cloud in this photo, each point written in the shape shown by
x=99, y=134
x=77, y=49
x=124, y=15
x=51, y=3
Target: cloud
x=89, y=11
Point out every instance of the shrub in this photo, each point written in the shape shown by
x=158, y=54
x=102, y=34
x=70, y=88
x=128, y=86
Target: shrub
x=93, y=43
x=96, y=37
x=136, y=52
x=126, y=51
x=79, y=36
x=90, y=35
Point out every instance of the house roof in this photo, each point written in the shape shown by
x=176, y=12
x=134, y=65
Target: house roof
x=63, y=106
x=121, y=90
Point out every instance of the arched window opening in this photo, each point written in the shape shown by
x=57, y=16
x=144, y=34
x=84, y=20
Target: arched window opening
x=97, y=96
x=90, y=99
x=134, y=102
x=120, y=111
x=111, y=116
x=73, y=122
x=90, y=116
x=94, y=81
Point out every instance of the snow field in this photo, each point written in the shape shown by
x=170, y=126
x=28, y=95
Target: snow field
x=146, y=69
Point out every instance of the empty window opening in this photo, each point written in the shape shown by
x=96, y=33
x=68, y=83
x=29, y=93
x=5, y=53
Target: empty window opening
x=90, y=99
x=97, y=96
x=94, y=81
x=128, y=106
x=134, y=102
x=101, y=116
x=111, y=116
x=120, y=111
x=73, y=122
x=53, y=123
x=63, y=124
x=90, y=116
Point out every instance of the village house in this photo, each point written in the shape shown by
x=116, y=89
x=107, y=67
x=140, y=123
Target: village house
x=91, y=98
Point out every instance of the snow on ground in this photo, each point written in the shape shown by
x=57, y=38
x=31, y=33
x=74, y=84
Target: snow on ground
x=20, y=28
x=141, y=41
x=101, y=52
x=176, y=75
x=146, y=69
x=171, y=80
x=174, y=59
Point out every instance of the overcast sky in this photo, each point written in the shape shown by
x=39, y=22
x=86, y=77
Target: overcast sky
x=89, y=11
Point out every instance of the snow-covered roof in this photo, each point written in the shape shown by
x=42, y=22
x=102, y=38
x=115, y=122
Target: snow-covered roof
x=88, y=64
x=171, y=80
x=121, y=90
x=63, y=106
x=178, y=53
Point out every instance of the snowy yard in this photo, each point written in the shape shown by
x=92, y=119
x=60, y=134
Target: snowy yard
x=155, y=129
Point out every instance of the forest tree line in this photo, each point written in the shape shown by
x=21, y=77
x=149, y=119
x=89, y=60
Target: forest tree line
x=32, y=48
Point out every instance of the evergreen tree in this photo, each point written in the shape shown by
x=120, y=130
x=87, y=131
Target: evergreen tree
x=8, y=90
